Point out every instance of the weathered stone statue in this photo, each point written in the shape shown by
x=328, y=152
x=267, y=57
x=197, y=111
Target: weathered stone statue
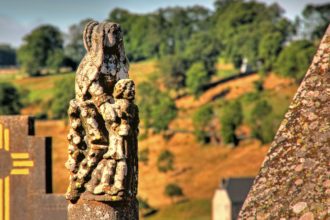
x=104, y=127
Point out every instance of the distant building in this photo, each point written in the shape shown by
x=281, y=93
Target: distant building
x=245, y=66
x=229, y=198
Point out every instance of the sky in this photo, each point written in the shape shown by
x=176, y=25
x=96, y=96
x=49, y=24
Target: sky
x=19, y=17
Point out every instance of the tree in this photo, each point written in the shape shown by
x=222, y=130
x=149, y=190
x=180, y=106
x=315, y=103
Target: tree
x=173, y=190
x=241, y=32
x=173, y=71
x=165, y=31
x=230, y=118
x=315, y=20
x=157, y=108
x=201, y=120
x=165, y=161
x=7, y=55
x=269, y=48
x=262, y=121
x=41, y=49
x=10, y=103
x=64, y=92
x=197, y=77
x=295, y=59
x=203, y=47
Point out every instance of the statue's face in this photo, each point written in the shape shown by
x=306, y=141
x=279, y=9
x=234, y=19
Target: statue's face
x=113, y=34
x=129, y=92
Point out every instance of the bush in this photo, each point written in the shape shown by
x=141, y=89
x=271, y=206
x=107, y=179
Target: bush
x=64, y=92
x=145, y=208
x=173, y=190
x=231, y=117
x=10, y=103
x=295, y=59
x=165, y=161
x=201, y=119
x=144, y=155
x=258, y=85
x=157, y=109
x=173, y=70
x=197, y=77
x=263, y=122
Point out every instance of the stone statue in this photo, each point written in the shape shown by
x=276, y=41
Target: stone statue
x=103, y=124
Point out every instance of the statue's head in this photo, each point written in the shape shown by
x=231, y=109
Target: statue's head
x=124, y=89
x=99, y=36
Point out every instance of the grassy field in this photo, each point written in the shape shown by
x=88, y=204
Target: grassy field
x=192, y=210
x=198, y=168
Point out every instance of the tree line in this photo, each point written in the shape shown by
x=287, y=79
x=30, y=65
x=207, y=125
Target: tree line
x=234, y=30
x=187, y=42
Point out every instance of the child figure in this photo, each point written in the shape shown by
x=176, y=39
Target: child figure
x=121, y=121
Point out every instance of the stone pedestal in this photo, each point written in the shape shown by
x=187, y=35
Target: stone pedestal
x=87, y=210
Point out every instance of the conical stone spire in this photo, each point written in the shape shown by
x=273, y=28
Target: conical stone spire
x=294, y=180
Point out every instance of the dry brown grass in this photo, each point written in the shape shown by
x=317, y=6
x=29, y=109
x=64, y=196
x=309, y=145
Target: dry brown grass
x=198, y=169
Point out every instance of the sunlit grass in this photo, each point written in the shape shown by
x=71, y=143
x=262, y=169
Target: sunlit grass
x=192, y=210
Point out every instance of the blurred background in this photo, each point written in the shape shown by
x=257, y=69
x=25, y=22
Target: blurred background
x=214, y=80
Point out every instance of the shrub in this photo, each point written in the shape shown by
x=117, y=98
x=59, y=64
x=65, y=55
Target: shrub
x=258, y=85
x=157, y=109
x=201, y=119
x=165, y=161
x=197, y=77
x=64, y=92
x=145, y=208
x=173, y=190
x=10, y=103
x=231, y=117
x=173, y=70
x=263, y=122
x=144, y=155
x=295, y=59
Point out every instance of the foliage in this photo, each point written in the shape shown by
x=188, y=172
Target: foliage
x=201, y=119
x=242, y=32
x=197, y=77
x=258, y=85
x=10, y=103
x=64, y=92
x=230, y=118
x=262, y=121
x=173, y=69
x=157, y=109
x=165, y=161
x=145, y=208
x=41, y=49
x=173, y=190
x=315, y=20
x=144, y=155
x=164, y=31
x=203, y=47
x=55, y=60
x=294, y=59
x=269, y=48
x=7, y=55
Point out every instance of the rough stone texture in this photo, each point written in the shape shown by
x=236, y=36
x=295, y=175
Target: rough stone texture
x=26, y=174
x=87, y=210
x=293, y=182
x=104, y=127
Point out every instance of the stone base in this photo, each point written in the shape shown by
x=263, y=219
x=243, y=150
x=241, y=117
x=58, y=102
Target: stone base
x=87, y=210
